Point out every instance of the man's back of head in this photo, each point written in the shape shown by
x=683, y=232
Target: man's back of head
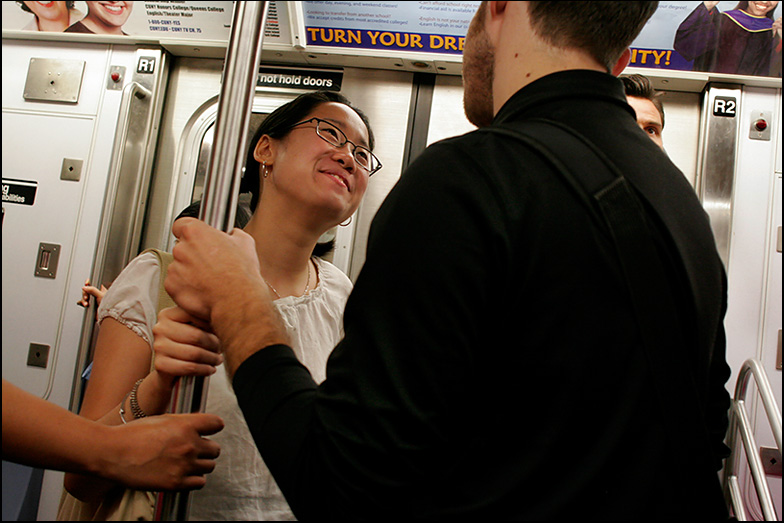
x=603, y=29
x=512, y=44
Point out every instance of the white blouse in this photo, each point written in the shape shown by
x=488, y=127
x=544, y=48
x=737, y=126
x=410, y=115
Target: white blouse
x=241, y=487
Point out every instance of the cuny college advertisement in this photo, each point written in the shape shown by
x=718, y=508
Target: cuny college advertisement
x=723, y=37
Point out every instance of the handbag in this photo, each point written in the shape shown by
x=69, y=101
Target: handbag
x=119, y=504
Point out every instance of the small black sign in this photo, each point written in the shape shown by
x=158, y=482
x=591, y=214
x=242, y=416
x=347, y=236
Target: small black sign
x=21, y=192
x=300, y=79
x=146, y=65
x=725, y=106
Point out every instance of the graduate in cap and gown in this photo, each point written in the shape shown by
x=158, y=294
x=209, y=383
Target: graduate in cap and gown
x=740, y=41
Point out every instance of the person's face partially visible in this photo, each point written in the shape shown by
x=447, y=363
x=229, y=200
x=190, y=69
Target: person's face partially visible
x=761, y=8
x=478, y=60
x=110, y=14
x=49, y=10
x=648, y=118
x=308, y=171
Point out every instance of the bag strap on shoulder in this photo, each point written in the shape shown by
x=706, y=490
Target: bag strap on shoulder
x=613, y=204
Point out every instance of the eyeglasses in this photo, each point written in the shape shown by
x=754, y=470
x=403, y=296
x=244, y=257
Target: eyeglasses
x=337, y=138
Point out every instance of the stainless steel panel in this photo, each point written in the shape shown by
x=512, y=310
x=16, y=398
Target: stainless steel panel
x=134, y=149
x=385, y=97
x=54, y=80
x=447, y=117
x=720, y=129
x=191, y=103
x=682, y=112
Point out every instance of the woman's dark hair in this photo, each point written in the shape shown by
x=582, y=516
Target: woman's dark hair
x=241, y=219
x=278, y=125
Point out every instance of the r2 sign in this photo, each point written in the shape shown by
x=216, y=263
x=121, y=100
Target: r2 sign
x=724, y=106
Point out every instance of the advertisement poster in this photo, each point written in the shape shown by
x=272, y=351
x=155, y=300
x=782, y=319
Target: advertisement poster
x=202, y=21
x=425, y=27
x=727, y=37
x=687, y=36
x=712, y=37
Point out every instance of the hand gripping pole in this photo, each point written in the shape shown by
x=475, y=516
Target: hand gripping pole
x=221, y=189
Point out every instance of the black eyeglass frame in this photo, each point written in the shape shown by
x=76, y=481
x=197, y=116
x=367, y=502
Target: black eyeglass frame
x=373, y=157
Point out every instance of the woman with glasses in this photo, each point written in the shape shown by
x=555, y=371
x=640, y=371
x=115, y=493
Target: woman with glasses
x=307, y=170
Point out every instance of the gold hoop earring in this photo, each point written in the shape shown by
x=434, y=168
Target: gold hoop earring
x=348, y=222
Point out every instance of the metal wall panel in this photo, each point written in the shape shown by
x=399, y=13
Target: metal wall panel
x=681, y=133
x=67, y=212
x=754, y=271
x=717, y=177
x=447, y=117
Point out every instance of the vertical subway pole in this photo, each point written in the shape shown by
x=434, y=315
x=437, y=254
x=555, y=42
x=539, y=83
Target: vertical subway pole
x=221, y=188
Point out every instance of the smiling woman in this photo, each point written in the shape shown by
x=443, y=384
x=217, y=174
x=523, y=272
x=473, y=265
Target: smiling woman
x=308, y=168
x=51, y=16
x=276, y=136
x=103, y=18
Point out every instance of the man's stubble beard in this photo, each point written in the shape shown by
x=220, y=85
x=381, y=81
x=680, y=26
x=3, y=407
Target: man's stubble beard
x=478, y=75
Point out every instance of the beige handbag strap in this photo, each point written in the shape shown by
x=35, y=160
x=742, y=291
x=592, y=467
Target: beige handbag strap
x=164, y=258
x=164, y=300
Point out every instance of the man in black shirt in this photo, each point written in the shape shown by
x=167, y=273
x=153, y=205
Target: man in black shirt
x=492, y=365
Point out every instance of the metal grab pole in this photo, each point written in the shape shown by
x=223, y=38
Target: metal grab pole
x=221, y=188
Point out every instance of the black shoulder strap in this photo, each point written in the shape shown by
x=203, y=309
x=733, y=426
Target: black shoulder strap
x=610, y=199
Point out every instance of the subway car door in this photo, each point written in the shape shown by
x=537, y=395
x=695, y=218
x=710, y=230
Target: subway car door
x=66, y=108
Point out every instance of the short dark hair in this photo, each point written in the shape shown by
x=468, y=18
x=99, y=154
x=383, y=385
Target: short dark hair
x=603, y=29
x=278, y=124
x=640, y=86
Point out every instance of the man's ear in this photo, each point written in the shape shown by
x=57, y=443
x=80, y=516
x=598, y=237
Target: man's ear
x=493, y=17
x=622, y=62
x=497, y=8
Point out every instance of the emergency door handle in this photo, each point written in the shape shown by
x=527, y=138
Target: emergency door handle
x=126, y=183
